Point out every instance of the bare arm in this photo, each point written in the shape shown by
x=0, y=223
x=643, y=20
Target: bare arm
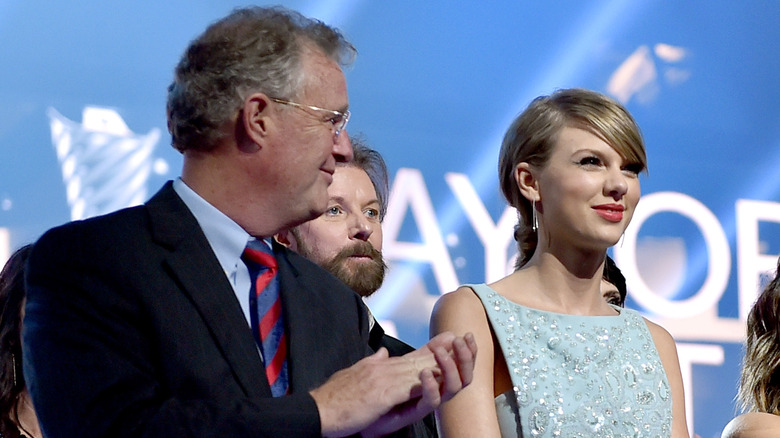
x=472, y=412
x=381, y=394
x=667, y=350
x=753, y=425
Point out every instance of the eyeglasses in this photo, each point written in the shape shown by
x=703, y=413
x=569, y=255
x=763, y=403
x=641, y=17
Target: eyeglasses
x=339, y=119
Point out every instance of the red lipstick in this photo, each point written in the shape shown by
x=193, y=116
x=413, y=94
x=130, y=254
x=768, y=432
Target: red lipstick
x=610, y=212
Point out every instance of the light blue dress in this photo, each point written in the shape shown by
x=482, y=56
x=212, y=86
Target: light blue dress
x=578, y=376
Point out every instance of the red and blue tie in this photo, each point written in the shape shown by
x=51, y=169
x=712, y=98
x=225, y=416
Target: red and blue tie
x=266, y=313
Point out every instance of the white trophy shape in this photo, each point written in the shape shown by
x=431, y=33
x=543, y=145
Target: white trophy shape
x=105, y=166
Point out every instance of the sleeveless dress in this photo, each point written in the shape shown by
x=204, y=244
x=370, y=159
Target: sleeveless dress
x=578, y=376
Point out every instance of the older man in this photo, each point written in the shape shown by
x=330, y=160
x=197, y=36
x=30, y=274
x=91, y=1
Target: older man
x=177, y=318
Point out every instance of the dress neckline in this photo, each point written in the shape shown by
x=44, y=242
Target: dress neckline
x=620, y=310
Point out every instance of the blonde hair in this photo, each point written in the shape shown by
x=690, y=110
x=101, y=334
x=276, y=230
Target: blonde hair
x=533, y=134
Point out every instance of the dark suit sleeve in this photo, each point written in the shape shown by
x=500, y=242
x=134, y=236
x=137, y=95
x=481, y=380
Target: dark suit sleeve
x=425, y=428
x=101, y=362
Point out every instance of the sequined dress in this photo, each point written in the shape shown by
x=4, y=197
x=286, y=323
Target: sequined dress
x=578, y=376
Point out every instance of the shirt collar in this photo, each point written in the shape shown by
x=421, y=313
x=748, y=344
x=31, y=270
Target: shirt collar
x=226, y=237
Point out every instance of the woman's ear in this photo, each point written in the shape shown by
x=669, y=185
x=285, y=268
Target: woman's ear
x=527, y=182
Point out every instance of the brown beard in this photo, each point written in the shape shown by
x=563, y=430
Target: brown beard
x=369, y=277
x=364, y=279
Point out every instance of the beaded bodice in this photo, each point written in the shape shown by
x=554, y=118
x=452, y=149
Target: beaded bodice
x=578, y=376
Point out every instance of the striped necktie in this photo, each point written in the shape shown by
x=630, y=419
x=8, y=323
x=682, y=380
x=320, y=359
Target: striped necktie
x=266, y=313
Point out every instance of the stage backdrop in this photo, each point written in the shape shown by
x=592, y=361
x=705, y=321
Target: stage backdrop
x=82, y=128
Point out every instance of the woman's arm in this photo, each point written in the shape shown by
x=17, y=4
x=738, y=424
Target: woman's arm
x=472, y=411
x=667, y=350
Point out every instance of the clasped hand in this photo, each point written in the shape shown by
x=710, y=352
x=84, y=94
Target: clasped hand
x=380, y=394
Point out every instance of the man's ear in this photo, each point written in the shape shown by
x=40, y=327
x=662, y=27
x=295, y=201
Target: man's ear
x=256, y=119
x=527, y=182
x=287, y=239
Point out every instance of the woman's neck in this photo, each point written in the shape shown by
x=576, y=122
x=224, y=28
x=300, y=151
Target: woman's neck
x=563, y=284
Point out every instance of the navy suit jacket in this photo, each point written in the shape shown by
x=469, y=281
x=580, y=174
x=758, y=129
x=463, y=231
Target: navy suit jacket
x=133, y=330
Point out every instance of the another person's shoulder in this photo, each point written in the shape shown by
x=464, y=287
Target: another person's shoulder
x=111, y=229
x=123, y=227
x=753, y=425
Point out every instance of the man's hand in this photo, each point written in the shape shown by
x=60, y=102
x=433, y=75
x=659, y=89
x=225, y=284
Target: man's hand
x=380, y=394
x=454, y=370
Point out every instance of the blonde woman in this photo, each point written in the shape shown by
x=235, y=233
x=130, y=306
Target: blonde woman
x=555, y=359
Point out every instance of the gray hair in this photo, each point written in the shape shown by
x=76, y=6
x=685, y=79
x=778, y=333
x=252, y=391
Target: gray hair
x=251, y=50
x=371, y=162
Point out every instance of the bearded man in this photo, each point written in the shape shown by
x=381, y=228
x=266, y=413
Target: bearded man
x=346, y=240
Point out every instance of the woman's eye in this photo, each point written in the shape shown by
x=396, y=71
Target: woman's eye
x=633, y=169
x=372, y=213
x=590, y=161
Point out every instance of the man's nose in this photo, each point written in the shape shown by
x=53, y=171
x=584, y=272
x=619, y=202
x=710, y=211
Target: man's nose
x=361, y=229
x=342, y=147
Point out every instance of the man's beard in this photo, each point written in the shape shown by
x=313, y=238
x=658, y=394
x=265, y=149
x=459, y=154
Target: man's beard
x=364, y=277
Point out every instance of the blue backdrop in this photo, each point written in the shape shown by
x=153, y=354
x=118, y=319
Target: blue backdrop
x=82, y=128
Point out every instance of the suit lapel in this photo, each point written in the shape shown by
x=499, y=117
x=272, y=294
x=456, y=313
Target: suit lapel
x=193, y=264
x=326, y=332
x=375, y=336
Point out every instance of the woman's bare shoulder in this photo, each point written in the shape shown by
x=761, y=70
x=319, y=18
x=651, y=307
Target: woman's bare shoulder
x=663, y=339
x=753, y=425
x=459, y=311
x=463, y=299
